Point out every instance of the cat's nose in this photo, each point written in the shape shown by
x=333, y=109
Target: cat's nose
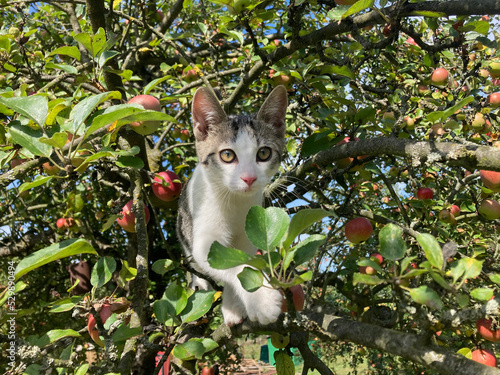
x=249, y=180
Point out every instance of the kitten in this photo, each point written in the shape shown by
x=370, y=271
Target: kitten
x=237, y=156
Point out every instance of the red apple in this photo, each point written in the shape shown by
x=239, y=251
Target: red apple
x=165, y=187
x=425, y=193
x=484, y=356
x=298, y=298
x=377, y=258
x=127, y=221
x=184, y=135
x=439, y=76
x=207, y=370
x=61, y=223
x=166, y=364
x=485, y=330
x=105, y=312
x=489, y=209
x=491, y=180
x=494, y=99
x=358, y=230
x=148, y=102
x=455, y=210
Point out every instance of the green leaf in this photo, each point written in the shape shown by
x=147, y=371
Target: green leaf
x=106, y=56
x=468, y=268
x=318, y=141
x=495, y=278
x=173, y=301
x=93, y=44
x=125, y=332
x=284, y=363
x=34, y=107
x=55, y=335
x=392, y=245
x=129, y=162
x=82, y=370
x=29, y=138
x=362, y=278
x=39, y=180
x=306, y=250
x=65, y=304
x=58, y=140
x=251, y=279
x=102, y=271
x=84, y=108
x=265, y=228
x=53, y=252
x=358, y=7
x=339, y=70
x=195, y=348
x=198, y=305
x=482, y=294
x=432, y=249
x=126, y=274
x=18, y=287
x=71, y=51
x=301, y=221
x=221, y=257
x=162, y=266
x=425, y=295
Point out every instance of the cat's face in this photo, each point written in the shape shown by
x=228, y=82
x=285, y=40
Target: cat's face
x=240, y=154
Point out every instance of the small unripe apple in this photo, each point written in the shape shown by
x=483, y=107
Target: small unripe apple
x=439, y=76
x=127, y=221
x=148, y=102
x=479, y=122
x=489, y=209
x=358, y=230
x=190, y=76
x=280, y=341
x=491, y=180
x=494, y=68
x=425, y=193
x=409, y=123
x=367, y=270
x=166, y=186
x=447, y=217
x=484, y=356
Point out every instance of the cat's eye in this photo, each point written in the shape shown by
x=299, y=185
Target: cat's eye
x=227, y=156
x=264, y=154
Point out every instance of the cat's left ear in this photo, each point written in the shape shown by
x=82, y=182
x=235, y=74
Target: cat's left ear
x=273, y=111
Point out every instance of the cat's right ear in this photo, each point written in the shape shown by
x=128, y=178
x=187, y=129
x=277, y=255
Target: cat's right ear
x=206, y=112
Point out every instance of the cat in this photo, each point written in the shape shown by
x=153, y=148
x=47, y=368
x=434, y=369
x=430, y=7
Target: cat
x=237, y=157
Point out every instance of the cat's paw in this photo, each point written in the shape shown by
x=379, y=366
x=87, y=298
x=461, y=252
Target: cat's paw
x=264, y=305
x=231, y=317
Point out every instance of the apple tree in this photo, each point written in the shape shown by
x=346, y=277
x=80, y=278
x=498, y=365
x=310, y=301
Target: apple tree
x=384, y=219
